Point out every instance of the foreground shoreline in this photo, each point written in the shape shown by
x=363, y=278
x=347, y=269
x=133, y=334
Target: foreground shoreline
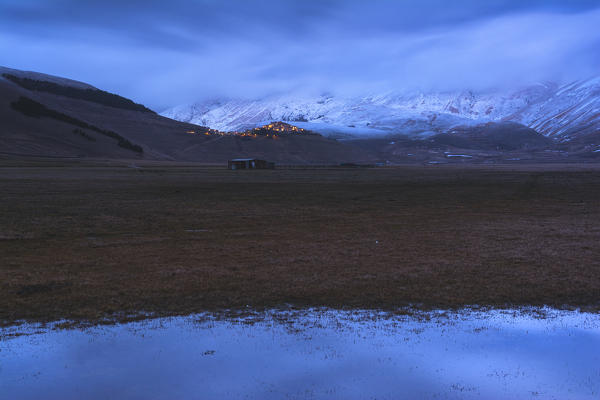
x=296, y=318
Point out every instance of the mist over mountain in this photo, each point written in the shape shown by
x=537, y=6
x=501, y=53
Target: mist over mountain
x=557, y=111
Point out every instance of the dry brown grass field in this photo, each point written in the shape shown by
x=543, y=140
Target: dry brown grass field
x=88, y=241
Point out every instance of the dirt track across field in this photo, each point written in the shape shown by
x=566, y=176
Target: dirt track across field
x=87, y=241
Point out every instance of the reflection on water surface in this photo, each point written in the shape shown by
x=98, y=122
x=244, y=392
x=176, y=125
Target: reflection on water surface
x=314, y=355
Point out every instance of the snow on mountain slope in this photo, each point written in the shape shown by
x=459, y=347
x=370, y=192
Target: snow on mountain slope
x=556, y=111
x=572, y=110
x=328, y=114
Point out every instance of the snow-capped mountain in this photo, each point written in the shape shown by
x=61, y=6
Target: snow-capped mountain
x=561, y=111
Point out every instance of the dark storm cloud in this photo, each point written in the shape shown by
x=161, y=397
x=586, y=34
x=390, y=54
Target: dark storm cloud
x=167, y=52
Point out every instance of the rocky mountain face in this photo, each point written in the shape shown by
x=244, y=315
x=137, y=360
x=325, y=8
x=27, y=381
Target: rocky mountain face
x=558, y=111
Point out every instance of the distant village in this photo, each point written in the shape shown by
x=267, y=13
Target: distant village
x=273, y=129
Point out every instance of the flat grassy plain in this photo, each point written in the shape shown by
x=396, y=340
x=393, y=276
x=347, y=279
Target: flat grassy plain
x=108, y=240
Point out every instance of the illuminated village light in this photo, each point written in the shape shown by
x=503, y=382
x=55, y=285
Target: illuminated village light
x=271, y=130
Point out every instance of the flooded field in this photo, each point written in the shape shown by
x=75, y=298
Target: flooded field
x=315, y=354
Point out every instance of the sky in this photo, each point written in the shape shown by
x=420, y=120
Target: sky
x=165, y=53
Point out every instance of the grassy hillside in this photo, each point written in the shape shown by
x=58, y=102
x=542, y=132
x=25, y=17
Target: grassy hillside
x=93, y=95
x=40, y=113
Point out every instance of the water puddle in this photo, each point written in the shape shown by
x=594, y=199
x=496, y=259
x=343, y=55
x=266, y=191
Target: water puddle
x=311, y=355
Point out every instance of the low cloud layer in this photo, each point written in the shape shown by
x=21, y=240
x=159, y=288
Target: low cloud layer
x=167, y=53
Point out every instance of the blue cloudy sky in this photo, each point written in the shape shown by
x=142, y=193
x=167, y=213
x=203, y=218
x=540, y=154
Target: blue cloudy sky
x=163, y=53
